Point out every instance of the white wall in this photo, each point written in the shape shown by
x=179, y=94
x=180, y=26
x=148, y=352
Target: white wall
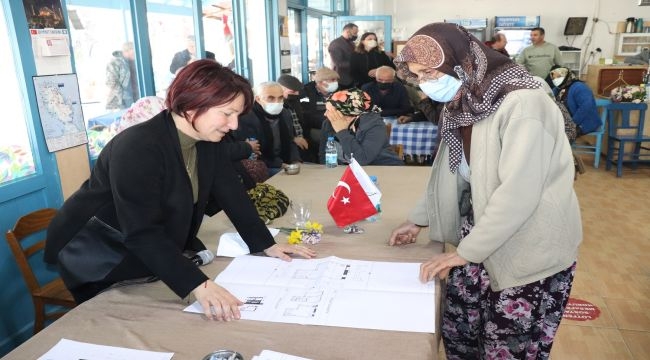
x=410, y=15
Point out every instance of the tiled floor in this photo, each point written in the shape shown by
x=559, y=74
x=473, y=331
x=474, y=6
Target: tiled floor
x=613, y=269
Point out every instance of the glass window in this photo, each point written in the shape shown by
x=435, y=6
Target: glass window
x=218, y=31
x=327, y=34
x=172, y=39
x=104, y=61
x=324, y=5
x=16, y=160
x=320, y=32
x=295, y=41
x=339, y=6
x=256, y=42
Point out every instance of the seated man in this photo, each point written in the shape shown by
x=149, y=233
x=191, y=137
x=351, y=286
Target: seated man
x=388, y=94
x=292, y=89
x=271, y=125
x=325, y=83
x=424, y=109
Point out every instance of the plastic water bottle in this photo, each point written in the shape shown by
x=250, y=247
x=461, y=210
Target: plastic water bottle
x=253, y=154
x=373, y=218
x=331, y=155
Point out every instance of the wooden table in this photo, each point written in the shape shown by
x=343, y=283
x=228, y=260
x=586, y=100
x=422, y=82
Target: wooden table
x=150, y=316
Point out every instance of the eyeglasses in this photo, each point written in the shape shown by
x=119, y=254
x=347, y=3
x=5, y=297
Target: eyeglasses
x=429, y=75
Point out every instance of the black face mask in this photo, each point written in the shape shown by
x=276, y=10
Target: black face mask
x=293, y=97
x=384, y=86
x=353, y=38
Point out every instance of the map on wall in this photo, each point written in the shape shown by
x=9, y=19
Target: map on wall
x=59, y=107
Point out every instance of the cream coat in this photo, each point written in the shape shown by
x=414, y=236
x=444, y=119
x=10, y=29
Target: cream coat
x=526, y=213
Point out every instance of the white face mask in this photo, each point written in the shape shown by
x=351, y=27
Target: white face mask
x=442, y=90
x=371, y=44
x=558, y=81
x=273, y=108
x=332, y=86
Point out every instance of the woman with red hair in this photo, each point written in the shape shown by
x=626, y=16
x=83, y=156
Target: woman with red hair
x=141, y=209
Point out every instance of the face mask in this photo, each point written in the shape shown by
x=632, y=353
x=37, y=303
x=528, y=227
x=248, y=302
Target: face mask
x=371, y=44
x=353, y=38
x=331, y=87
x=384, y=86
x=273, y=108
x=442, y=90
x=558, y=81
x=293, y=97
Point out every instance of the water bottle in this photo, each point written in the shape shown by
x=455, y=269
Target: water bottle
x=253, y=154
x=373, y=218
x=331, y=155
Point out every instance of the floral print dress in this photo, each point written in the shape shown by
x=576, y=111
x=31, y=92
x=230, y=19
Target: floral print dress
x=515, y=323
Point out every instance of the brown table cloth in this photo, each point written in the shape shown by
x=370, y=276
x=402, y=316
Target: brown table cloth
x=150, y=317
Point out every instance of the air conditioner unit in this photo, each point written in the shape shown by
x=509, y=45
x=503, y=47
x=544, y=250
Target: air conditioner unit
x=644, y=2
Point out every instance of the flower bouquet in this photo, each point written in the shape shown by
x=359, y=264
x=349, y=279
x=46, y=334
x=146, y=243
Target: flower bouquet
x=310, y=234
x=628, y=93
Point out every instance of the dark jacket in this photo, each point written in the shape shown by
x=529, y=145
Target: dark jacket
x=314, y=109
x=180, y=59
x=393, y=103
x=361, y=64
x=341, y=50
x=582, y=107
x=368, y=144
x=255, y=125
x=139, y=201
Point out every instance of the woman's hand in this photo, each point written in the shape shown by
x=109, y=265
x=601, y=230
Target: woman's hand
x=282, y=251
x=404, y=234
x=218, y=304
x=440, y=265
x=338, y=120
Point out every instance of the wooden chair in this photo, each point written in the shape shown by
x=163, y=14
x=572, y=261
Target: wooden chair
x=623, y=130
x=52, y=293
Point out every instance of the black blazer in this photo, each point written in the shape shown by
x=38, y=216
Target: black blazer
x=139, y=186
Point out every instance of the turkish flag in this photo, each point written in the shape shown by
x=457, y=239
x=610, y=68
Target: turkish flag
x=354, y=197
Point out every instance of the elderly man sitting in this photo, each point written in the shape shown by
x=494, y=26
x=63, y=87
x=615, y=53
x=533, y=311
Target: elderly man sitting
x=271, y=125
x=388, y=94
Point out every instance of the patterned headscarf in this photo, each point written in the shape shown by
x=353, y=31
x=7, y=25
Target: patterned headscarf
x=486, y=75
x=352, y=102
x=569, y=78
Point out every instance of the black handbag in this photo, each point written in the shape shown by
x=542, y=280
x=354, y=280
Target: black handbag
x=91, y=254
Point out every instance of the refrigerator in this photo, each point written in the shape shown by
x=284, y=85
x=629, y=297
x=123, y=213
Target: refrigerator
x=517, y=31
x=476, y=27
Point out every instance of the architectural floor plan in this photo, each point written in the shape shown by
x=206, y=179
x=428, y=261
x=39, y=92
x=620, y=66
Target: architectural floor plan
x=331, y=291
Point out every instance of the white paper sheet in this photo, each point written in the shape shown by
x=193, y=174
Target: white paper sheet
x=232, y=244
x=274, y=355
x=69, y=349
x=331, y=291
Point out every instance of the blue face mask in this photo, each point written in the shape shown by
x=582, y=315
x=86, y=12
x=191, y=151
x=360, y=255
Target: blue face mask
x=442, y=90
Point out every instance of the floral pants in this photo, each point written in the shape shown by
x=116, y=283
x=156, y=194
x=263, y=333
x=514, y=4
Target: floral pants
x=515, y=323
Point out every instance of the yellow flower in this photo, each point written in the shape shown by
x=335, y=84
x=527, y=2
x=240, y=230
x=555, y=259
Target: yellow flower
x=314, y=226
x=295, y=237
